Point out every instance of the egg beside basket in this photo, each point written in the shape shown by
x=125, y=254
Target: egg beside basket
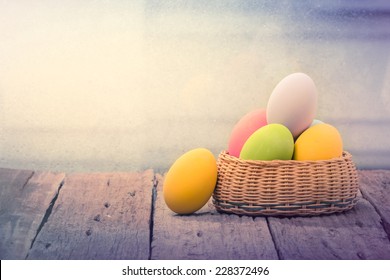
x=285, y=187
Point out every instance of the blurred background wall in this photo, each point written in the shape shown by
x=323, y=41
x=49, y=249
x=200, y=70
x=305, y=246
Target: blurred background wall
x=128, y=85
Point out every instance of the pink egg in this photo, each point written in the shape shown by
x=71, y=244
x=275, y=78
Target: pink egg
x=245, y=128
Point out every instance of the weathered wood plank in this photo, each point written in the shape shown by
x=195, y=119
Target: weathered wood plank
x=107, y=216
x=355, y=234
x=24, y=198
x=208, y=234
x=99, y=216
x=375, y=186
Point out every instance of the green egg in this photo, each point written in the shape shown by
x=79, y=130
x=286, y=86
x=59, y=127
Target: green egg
x=273, y=141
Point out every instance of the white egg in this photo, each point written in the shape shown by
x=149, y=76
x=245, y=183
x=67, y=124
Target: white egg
x=293, y=103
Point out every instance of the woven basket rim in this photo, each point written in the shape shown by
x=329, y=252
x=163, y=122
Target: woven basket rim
x=285, y=187
x=277, y=162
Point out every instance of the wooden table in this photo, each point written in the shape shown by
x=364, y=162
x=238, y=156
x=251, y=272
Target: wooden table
x=46, y=215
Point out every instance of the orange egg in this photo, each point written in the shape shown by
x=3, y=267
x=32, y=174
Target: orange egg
x=319, y=142
x=190, y=181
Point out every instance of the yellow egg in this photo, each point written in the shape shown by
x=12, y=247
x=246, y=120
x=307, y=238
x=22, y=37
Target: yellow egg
x=190, y=181
x=319, y=142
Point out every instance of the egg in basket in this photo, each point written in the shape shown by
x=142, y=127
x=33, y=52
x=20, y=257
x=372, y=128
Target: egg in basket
x=280, y=161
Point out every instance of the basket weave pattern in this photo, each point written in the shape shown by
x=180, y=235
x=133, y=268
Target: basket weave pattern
x=285, y=187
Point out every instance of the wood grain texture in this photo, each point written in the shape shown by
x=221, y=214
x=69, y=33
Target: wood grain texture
x=208, y=234
x=355, y=234
x=375, y=186
x=99, y=216
x=46, y=215
x=24, y=198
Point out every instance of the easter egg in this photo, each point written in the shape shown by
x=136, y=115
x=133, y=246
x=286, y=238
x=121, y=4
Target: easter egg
x=190, y=181
x=319, y=142
x=273, y=141
x=293, y=103
x=245, y=128
x=315, y=121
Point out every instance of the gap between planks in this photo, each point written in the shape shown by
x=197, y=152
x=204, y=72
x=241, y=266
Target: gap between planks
x=378, y=197
x=25, y=197
x=152, y=210
x=47, y=214
x=99, y=216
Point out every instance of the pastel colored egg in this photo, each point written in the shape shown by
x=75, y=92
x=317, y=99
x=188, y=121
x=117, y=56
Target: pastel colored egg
x=293, y=103
x=319, y=142
x=245, y=128
x=190, y=181
x=315, y=121
x=273, y=141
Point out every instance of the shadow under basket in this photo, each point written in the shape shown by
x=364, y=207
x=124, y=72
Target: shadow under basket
x=285, y=187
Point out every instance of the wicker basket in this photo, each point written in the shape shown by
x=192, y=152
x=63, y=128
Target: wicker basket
x=285, y=187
